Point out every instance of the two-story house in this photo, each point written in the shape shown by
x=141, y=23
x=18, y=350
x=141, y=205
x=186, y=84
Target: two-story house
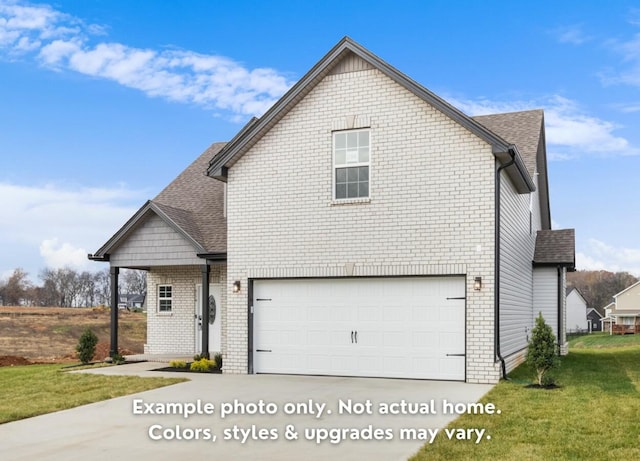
x=362, y=226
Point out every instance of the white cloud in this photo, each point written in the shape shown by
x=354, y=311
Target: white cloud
x=571, y=34
x=598, y=255
x=58, y=255
x=629, y=50
x=570, y=132
x=62, y=42
x=54, y=225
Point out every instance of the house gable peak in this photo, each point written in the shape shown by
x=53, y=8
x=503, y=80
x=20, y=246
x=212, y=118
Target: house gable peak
x=349, y=56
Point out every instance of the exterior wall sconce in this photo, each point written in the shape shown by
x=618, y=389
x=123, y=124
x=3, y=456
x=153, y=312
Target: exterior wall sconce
x=477, y=283
x=236, y=286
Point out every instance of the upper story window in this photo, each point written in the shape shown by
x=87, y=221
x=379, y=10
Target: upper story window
x=351, y=154
x=165, y=298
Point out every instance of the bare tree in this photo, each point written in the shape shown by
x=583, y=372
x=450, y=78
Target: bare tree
x=16, y=288
x=102, y=286
x=598, y=287
x=134, y=281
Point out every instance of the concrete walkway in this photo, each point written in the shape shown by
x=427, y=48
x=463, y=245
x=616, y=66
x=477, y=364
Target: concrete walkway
x=110, y=430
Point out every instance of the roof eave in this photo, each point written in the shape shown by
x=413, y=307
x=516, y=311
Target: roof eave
x=103, y=253
x=251, y=133
x=626, y=289
x=570, y=265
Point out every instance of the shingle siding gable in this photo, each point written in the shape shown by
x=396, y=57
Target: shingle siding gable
x=154, y=243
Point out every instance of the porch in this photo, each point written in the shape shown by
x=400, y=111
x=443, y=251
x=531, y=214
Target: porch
x=625, y=329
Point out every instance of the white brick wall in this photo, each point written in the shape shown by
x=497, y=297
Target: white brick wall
x=174, y=333
x=431, y=210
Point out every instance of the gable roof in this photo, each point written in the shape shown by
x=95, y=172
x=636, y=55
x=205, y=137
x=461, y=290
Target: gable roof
x=627, y=289
x=569, y=290
x=591, y=310
x=203, y=200
x=525, y=129
x=255, y=129
x=555, y=248
x=192, y=205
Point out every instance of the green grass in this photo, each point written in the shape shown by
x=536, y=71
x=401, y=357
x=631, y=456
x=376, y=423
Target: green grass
x=38, y=389
x=602, y=340
x=594, y=415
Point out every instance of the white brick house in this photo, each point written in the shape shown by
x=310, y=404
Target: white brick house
x=361, y=227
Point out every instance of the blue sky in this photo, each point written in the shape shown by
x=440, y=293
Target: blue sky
x=104, y=102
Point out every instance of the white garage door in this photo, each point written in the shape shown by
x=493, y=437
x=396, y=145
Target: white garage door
x=411, y=327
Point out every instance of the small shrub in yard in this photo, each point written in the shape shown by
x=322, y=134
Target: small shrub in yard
x=178, y=364
x=118, y=359
x=202, y=365
x=217, y=357
x=542, y=354
x=86, y=347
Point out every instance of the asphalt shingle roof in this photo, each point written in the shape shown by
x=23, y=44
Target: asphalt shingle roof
x=195, y=202
x=520, y=128
x=555, y=247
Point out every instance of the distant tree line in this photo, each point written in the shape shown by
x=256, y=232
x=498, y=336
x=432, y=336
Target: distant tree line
x=68, y=288
x=598, y=287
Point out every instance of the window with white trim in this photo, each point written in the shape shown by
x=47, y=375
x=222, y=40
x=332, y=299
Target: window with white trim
x=165, y=298
x=351, y=156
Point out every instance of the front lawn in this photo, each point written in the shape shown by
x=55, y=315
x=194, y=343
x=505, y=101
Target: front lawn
x=38, y=389
x=595, y=414
x=602, y=340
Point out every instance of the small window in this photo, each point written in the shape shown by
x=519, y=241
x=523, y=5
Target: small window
x=351, y=152
x=165, y=298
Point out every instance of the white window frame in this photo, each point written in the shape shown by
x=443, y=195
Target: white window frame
x=353, y=164
x=165, y=298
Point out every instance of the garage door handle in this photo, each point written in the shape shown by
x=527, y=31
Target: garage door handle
x=351, y=336
x=456, y=355
x=356, y=337
x=264, y=350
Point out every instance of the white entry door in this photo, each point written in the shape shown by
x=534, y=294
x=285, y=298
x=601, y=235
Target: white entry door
x=215, y=321
x=407, y=327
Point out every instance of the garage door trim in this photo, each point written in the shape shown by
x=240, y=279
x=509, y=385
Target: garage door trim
x=250, y=313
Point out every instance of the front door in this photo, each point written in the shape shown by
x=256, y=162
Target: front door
x=215, y=321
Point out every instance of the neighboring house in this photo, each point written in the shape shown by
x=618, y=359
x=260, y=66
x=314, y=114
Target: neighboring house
x=131, y=301
x=607, y=321
x=361, y=227
x=594, y=320
x=576, y=312
x=623, y=315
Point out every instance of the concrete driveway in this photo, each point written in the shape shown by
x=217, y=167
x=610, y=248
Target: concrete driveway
x=305, y=407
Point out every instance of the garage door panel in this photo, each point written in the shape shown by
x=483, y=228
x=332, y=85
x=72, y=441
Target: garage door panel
x=405, y=327
x=394, y=313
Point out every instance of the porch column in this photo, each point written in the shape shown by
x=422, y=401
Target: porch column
x=113, y=349
x=206, y=270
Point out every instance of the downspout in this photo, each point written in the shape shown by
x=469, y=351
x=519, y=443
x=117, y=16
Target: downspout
x=496, y=294
x=559, y=309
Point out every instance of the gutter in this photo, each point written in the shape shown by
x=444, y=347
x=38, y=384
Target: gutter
x=496, y=295
x=103, y=258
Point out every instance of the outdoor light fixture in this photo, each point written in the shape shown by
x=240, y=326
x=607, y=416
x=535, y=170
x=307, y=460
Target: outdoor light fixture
x=236, y=286
x=477, y=283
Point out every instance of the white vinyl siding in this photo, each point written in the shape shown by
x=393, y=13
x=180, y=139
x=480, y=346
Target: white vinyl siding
x=576, y=312
x=629, y=298
x=545, y=288
x=517, y=244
